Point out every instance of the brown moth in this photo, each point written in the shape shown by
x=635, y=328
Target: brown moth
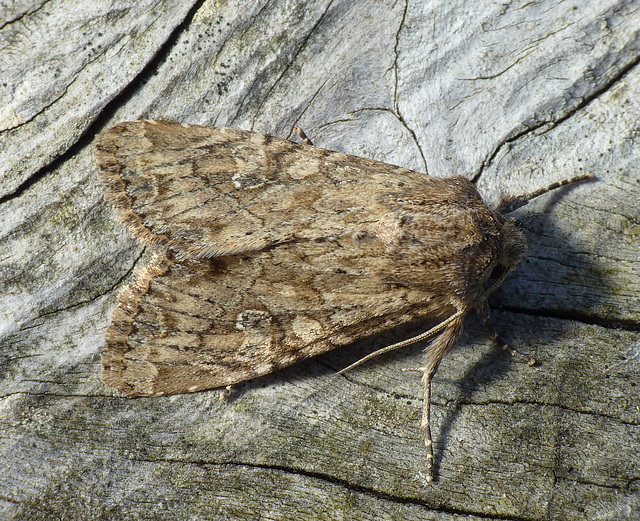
x=267, y=252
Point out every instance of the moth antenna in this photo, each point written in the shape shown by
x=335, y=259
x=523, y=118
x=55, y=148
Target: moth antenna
x=409, y=341
x=303, y=136
x=434, y=354
x=509, y=203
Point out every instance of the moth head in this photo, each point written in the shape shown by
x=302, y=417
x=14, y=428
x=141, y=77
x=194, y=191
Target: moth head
x=511, y=251
x=514, y=245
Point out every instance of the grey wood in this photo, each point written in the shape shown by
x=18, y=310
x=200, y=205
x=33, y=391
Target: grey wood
x=512, y=94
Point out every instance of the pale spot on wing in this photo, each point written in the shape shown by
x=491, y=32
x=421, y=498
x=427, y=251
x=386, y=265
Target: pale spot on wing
x=262, y=367
x=256, y=348
x=389, y=229
x=306, y=328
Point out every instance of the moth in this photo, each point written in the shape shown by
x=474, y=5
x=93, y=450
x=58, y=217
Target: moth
x=267, y=252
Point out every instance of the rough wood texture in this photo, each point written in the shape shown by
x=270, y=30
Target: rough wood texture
x=513, y=95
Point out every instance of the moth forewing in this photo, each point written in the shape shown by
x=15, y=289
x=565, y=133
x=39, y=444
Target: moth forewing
x=268, y=252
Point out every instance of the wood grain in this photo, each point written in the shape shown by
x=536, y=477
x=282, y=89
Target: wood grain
x=512, y=95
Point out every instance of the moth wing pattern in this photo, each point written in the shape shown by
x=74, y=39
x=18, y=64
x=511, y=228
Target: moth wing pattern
x=206, y=191
x=205, y=323
x=268, y=252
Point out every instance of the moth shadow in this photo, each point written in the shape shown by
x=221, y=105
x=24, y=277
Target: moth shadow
x=302, y=371
x=492, y=365
x=556, y=280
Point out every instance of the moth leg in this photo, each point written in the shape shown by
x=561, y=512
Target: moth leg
x=433, y=355
x=224, y=394
x=503, y=345
x=303, y=136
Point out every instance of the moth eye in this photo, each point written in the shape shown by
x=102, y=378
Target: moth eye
x=498, y=272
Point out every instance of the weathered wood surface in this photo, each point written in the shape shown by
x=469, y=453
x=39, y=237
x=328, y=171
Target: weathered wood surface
x=512, y=94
